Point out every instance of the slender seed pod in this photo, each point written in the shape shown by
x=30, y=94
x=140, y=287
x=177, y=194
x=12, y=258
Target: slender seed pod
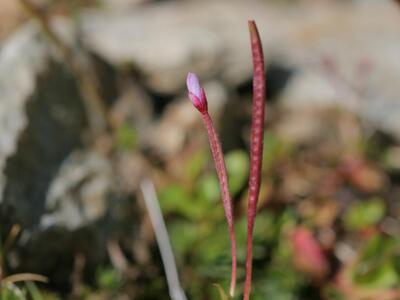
x=256, y=146
x=199, y=100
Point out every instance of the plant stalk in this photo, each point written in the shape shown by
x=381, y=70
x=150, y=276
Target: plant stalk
x=220, y=167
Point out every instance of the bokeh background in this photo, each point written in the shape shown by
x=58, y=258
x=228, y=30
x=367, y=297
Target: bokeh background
x=93, y=102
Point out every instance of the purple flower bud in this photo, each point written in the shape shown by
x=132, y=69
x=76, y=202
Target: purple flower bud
x=199, y=100
x=196, y=93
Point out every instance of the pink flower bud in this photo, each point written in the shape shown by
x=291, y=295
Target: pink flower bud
x=199, y=100
x=196, y=93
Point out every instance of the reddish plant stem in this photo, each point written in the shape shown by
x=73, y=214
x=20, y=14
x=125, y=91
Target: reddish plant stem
x=256, y=146
x=220, y=167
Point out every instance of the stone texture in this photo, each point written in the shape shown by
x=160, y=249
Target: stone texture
x=165, y=40
x=71, y=207
x=42, y=118
x=358, y=40
x=59, y=193
x=18, y=72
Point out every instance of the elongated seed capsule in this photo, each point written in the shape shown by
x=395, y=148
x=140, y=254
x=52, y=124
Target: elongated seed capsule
x=256, y=146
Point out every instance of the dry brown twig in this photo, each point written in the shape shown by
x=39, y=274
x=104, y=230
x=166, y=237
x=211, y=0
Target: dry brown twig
x=24, y=277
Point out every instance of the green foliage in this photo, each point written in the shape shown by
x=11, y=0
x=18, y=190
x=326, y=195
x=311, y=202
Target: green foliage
x=279, y=280
x=108, y=278
x=237, y=164
x=377, y=265
x=198, y=233
x=34, y=291
x=24, y=291
x=208, y=187
x=184, y=235
x=333, y=293
x=364, y=213
x=11, y=292
x=126, y=137
x=279, y=283
x=221, y=292
x=274, y=150
x=196, y=164
x=175, y=199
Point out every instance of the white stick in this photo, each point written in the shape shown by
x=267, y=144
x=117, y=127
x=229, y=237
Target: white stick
x=150, y=198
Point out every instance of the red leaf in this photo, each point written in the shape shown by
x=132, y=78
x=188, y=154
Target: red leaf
x=308, y=254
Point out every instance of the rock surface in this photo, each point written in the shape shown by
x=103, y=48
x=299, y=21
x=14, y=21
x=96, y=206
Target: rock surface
x=70, y=207
x=42, y=117
x=58, y=193
x=343, y=54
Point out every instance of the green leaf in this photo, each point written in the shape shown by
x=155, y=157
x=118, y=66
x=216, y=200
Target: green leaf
x=208, y=188
x=196, y=163
x=184, y=235
x=379, y=247
x=10, y=291
x=383, y=276
x=213, y=245
x=222, y=294
x=126, y=137
x=237, y=164
x=377, y=265
x=34, y=291
x=172, y=197
x=274, y=149
x=108, y=278
x=363, y=214
x=279, y=282
x=176, y=199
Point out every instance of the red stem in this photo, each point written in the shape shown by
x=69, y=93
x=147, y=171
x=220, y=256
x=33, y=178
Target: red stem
x=256, y=145
x=218, y=157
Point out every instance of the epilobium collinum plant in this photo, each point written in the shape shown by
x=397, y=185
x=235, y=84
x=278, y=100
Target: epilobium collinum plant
x=199, y=100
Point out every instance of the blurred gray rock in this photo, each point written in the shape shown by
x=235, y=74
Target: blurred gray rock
x=166, y=40
x=349, y=60
x=58, y=193
x=344, y=53
x=134, y=107
x=78, y=194
x=41, y=119
x=17, y=67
